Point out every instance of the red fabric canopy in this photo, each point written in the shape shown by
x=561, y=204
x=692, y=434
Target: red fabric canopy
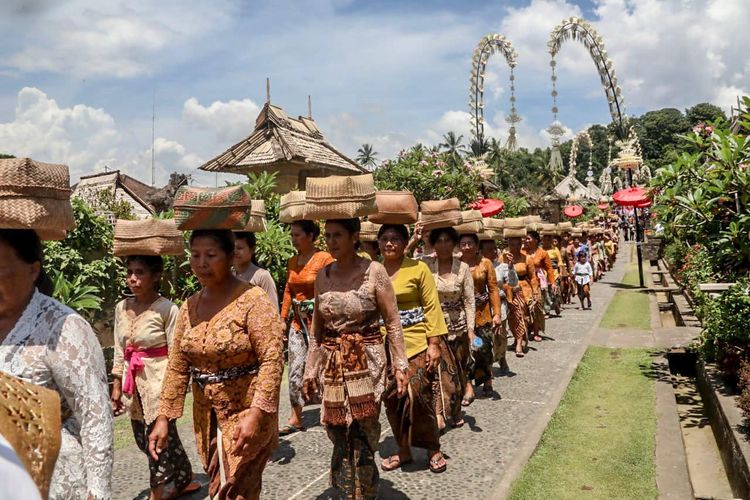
x=603, y=206
x=573, y=211
x=632, y=197
x=488, y=206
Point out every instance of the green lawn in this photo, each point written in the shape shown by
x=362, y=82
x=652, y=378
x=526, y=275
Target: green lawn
x=600, y=442
x=628, y=309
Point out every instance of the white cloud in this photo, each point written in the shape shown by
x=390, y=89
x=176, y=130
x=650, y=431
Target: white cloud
x=88, y=38
x=230, y=120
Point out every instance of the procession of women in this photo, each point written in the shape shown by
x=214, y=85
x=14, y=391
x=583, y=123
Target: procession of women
x=389, y=305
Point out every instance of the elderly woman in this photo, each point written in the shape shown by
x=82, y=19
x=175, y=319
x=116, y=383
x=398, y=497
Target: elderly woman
x=488, y=311
x=412, y=417
x=48, y=344
x=455, y=288
x=144, y=326
x=525, y=293
x=297, y=308
x=348, y=352
x=228, y=340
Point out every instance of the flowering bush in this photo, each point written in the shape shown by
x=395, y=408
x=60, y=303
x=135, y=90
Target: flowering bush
x=430, y=175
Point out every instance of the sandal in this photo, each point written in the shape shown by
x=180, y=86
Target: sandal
x=520, y=354
x=458, y=423
x=192, y=487
x=437, y=469
x=393, y=462
x=290, y=429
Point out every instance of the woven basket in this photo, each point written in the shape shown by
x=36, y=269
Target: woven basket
x=565, y=226
x=440, y=213
x=515, y=223
x=256, y=220
x=529, y=219
x=369, y=231
x=471, y=224
x=513, y=232
x=340, y=197
x=496, y=225
x=147, y=237
x=35, y=195
x=30, y=421
x=548, y=230
x=576, y=233
x=395, y=207
x=292, y=207
x=211, y=208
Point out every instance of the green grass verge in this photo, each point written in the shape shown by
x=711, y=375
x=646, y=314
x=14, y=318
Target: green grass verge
x=628, y=309
x=600, y=442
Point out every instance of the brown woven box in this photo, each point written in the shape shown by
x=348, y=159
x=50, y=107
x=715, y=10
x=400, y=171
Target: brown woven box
x=395, y=207
x=565, y=226
x=212, y=208
x=35, y=195
x=515, y=223
x=256, y=220
x=147, y=237
x=493, y=224
x=512, y=232
x=369, y=231
x=440, y=213
x=471, y=222
x=292, y=207
x=340, y=197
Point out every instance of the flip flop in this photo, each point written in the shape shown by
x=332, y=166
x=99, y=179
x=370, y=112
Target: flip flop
x=393, y=462
x=187, y=490
x=520, y=355
x=290, y=429
x=434, y=467
x=467, y=401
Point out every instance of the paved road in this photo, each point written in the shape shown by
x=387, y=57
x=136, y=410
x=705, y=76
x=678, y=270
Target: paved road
x=485, y=455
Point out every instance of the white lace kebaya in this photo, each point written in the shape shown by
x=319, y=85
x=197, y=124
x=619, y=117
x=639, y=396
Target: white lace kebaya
x=54, y=347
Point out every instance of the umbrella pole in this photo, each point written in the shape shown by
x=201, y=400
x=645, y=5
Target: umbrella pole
x=638, y=234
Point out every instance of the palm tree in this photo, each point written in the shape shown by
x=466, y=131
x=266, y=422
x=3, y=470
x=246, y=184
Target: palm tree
x=366, y=156
x=453, y=145
x=479, y=148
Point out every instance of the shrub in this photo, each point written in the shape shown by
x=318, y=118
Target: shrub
x=725, y=335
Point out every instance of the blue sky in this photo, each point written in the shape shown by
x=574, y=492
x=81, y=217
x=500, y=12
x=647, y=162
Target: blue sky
x=77, y=77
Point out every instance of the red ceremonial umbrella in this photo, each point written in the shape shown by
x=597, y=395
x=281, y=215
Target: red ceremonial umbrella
x=603, y=206
x=573, y=211
x=488, y=206
x=632, y=197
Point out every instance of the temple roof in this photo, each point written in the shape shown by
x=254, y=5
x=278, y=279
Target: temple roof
x=285, y=144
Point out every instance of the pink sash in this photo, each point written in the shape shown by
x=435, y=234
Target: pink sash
x=134, y=357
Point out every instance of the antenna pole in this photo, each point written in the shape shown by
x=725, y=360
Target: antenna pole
x=268, y=91
x=153, y=131
x=309, y=106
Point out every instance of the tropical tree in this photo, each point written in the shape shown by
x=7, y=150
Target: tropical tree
x=366, y=156
x=705, y=113
x=479, y=148
x=453, y=145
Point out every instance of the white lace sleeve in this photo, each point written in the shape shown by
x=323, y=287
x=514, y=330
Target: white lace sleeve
x=77, y=364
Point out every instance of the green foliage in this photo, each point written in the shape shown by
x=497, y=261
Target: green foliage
x=704, y=195
x=705, y=113
x=83, y=264
x=725, y=322
x=430, y=175
x=274, y=248
x=75, y=294
x=4, y=156
x=514, y=205
x=107, y=202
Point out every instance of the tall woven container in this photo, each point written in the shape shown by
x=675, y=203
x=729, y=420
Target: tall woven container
x=212, y=208
x=493, y=224
x=395, y=207
x=256, y=220
x=369, y=231
x=471, y=222
x=515, y=223
x=340, y=197
x=565, y=226
x=147, y=237
x=440, y=213
x=292, y=207
x=35, y=195
x=548, y=230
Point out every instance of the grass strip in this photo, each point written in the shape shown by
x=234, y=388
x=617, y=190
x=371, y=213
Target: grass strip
x=600, y=442
x=628, y=309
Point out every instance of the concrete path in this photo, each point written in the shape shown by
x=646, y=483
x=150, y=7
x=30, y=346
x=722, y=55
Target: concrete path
x=485, y=456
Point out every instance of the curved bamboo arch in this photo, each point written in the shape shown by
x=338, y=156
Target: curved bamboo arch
x=579, y=29
x=573, y=161
x=491, y=44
